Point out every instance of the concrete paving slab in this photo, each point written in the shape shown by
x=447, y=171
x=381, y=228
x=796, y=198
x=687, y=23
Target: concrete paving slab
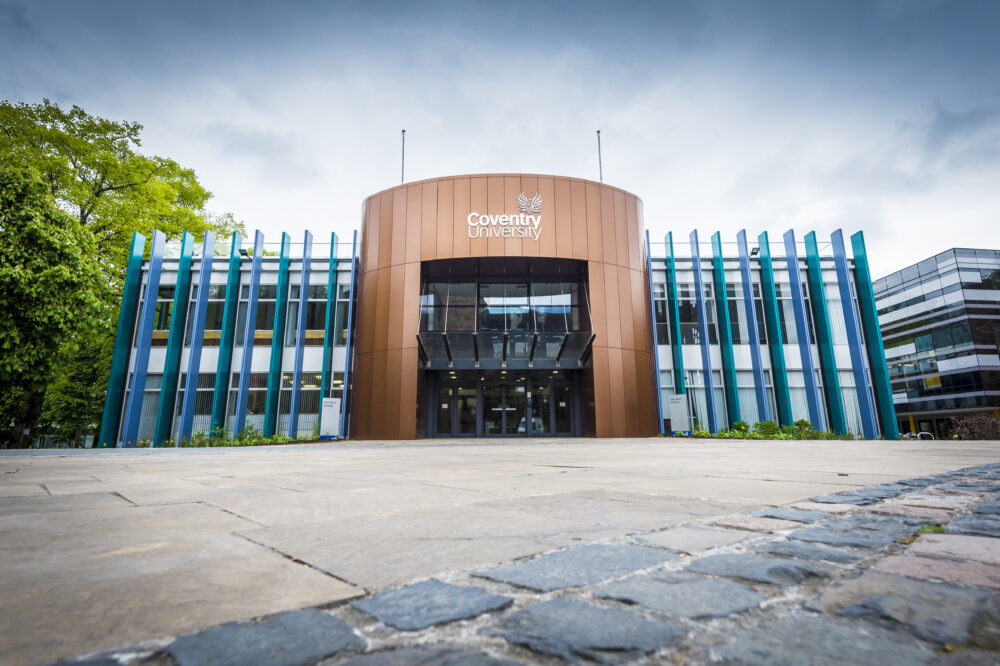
x=409, y=546
x=628, y=511
x=16, y=505
x=132, y=602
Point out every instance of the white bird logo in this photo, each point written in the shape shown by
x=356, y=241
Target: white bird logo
x=530, y=206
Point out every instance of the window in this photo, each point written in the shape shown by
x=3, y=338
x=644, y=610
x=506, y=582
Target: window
x=502, y=306
x=315, y=324
x=309, y=403
x=690, y=333
x=256, y=401
x=214, y=310
x=340, y=321
x=660, y=317
x=204, y=393
x=161, y=318
x=264, y=325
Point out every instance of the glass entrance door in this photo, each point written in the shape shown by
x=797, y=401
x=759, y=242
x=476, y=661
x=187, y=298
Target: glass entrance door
x=541, y=409
x=524, y=404
x=504, y=408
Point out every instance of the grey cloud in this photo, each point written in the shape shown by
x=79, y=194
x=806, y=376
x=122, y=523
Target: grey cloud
x=274, y=156
x=969, y=138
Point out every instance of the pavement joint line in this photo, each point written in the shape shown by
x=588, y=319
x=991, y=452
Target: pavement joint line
x=115, y=493
x=232, y=513
x=308, y=565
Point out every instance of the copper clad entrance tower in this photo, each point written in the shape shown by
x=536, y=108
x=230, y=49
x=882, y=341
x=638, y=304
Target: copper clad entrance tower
x=436, y=220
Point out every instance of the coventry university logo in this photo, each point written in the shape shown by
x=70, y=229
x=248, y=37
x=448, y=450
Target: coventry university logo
x=527, y=205
x=525, y=225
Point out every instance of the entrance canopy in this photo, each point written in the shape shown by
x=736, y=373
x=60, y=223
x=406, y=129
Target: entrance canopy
x=504, y=313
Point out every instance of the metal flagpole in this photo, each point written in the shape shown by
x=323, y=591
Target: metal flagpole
x=402, y=161
x=600, y=167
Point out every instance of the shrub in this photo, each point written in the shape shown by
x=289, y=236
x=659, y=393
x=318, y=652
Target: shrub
x=803, y=424
x=766, y=428
x=976, y=426
x=741, y=426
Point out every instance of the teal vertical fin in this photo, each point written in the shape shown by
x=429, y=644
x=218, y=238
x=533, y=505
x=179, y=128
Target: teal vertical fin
x=775, y=340
x=824, y=337
x=873, y=339
x=331, y=303
x=175, y=341
x=674, y=313
x=277, y=340
x=725, y=331
x=229, y=309
x=123, y=343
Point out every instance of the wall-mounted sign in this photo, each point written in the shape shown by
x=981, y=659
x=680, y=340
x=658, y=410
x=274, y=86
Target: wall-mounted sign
x=525, y=225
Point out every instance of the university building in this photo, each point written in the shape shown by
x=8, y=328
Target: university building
x=506, y=305
x=940, y=321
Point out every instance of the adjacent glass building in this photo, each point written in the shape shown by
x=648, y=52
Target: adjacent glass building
x=940, y=321
x=504, y=305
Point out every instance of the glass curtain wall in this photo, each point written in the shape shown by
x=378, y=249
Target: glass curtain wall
x=309, y=401
x=315, y=316
x=264, y=326
x=150, y=401
x=256, y=401
x=202, y=421
x=698, y=404
x=688, y=314
x=213, y=315
x=512, y=320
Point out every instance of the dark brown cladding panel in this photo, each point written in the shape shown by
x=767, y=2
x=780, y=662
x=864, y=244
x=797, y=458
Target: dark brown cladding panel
x=427, y=220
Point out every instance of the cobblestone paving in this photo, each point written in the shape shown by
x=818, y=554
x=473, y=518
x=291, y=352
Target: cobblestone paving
x=900, y=573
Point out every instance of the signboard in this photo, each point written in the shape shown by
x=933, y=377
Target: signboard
x=527, y=224
x=680, y=422
x=329, y=418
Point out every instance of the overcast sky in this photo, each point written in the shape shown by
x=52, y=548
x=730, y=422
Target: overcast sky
x=879, y=116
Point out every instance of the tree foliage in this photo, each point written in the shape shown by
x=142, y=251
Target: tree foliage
x=91, y=169
x=50, y=291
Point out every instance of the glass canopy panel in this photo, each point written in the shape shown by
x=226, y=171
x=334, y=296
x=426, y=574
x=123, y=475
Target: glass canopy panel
x=491, y=347
x=575, y=346
x=519, y=345
x=548, y=345
x=463, y=345
x=433, y=346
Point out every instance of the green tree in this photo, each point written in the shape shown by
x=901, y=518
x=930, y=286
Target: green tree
x=92, y=169
x=50, y=291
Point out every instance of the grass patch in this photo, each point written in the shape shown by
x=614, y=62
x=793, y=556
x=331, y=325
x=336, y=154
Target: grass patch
x=931, y=529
